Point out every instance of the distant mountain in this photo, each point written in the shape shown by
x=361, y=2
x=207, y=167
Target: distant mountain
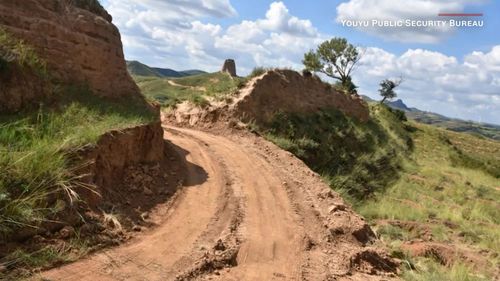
x=139, y=69
x=399, y=104
x=487, y=130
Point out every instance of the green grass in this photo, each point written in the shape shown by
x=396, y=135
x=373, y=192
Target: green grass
x=434, y=187
x=35, y=149
x=390, y=169
x=25, y=262
x=428, y=269
x=13, y=51
x=197, y=89
x=357, y=158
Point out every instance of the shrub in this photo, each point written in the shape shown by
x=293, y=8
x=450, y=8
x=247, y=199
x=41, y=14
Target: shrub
x=199, y=100
x=400, y=115
x=306, y=73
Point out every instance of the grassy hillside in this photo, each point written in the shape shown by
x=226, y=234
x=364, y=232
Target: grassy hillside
x=139, y=69
x=358, y=158
x=35, y=147
x=136, y=68
x=38, y=177
x=196, y=89
x=479, y=129
x=444, y=196
x=415, y=183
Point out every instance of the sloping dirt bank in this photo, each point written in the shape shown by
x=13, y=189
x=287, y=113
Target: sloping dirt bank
x=249, y=211
x=276, y=91
x=127, y=174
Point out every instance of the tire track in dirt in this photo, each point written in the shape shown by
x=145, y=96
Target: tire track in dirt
x=272, y=235
x=249, y=211
x=191, y=222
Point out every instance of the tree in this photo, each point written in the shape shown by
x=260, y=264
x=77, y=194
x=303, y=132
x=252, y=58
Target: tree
x=387, y=87
x=335, y=58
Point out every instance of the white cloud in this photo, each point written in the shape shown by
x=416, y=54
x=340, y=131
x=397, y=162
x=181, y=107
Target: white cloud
x=177, y=37
x=361, y=10
x=433, y=81
x=437, y=82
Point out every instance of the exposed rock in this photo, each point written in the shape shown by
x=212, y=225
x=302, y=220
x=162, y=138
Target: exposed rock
x=229, y=67
x=335, y=208
x=80, y=46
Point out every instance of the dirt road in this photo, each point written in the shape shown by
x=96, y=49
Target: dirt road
x=248, y=211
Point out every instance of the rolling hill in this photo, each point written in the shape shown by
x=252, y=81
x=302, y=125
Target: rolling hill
x=136, y=68
x=491, y=131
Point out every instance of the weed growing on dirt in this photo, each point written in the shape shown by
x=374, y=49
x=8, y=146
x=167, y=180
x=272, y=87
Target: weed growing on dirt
x=15, y=51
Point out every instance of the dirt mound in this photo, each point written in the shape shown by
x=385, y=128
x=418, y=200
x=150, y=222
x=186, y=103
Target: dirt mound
x=445, y=254
x=265, y=96
x=78, y=42
x=288, y=91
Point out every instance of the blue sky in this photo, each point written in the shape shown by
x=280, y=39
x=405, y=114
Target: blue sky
x=452, y=71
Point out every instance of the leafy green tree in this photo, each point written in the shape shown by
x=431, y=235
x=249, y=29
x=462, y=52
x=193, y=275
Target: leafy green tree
x=335, y=58
x=387, y=87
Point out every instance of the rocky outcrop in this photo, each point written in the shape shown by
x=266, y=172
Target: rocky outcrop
x=229, y=67
x=288, y=91
x=75, y=38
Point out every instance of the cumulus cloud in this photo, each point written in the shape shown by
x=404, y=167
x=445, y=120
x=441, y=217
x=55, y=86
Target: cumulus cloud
x=367, y=10
x=174, y=34
x=159, y=36
x=436, y=82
